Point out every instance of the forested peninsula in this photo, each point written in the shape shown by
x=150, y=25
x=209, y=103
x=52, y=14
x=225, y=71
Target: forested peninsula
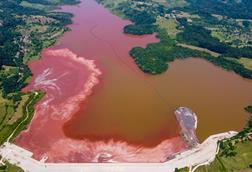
x=219, y=32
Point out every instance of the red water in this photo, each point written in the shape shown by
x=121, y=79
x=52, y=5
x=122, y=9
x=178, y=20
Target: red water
x=129, y=115
x=68, y=81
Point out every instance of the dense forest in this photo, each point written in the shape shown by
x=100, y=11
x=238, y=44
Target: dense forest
x=215, y=25
x=232, y=8
x=154, y=58
x=199, y=36
x=144, y=22
x=11, y=45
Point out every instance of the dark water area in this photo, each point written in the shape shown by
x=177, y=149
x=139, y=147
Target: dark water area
x=100, y=107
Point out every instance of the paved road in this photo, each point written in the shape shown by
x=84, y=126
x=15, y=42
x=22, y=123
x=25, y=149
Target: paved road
x=202, y=154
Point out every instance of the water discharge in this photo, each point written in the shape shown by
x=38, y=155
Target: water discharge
x=99, y=107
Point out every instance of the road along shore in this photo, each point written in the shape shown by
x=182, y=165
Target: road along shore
x=201, y=154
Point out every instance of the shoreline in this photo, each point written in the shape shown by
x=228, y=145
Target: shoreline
x=102, y=149
x=189, y=158
x=186, y=51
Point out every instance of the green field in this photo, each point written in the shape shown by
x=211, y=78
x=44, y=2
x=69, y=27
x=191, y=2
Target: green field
x=243, y=160
x=14, y=118
x=247, y=63
x=10, y=168
x=172, y=3
x=170, y=25
x=34, y=5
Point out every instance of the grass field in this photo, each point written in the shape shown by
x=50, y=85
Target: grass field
x=172, y=3
x=10, y=168
x=177, y=3
x=238, y=37
x=34, y=5
x=15, y=118
x=246, y=62
x=214, y=54
x=19, y=111
x=241, y=161
x=7, y=112
x=169, y=25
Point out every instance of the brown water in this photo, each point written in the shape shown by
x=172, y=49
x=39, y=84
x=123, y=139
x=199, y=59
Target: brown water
x=217, y=97
x=132, y=106
x=128, y=115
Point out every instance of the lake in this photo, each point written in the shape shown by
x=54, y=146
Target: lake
x=100, y=107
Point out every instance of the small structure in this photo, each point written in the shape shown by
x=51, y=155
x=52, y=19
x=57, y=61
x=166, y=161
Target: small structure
x=188, y=123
